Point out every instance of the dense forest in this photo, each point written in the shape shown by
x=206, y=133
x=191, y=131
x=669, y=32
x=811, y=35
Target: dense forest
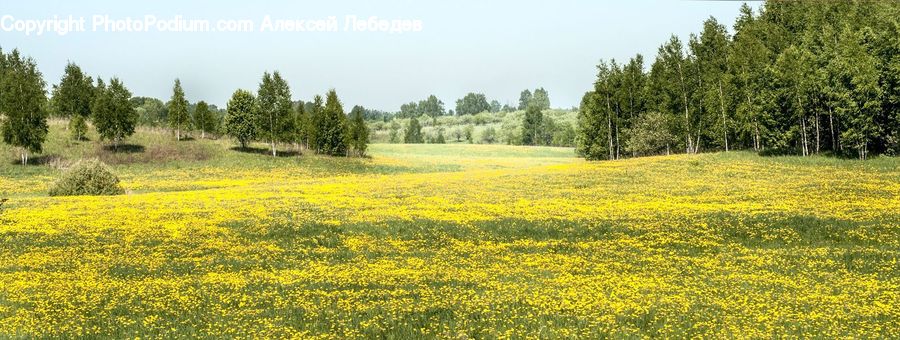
x=795, y=77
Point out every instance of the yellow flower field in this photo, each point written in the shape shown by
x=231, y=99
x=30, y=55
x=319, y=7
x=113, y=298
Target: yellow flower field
x=461, y=242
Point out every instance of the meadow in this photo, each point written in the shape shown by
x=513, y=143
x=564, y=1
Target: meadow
x=448, y=241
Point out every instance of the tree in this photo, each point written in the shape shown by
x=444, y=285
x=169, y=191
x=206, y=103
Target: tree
x=495, y=106
x=591, y=140
x=457, y=134
x=858, y=81
x=471, y=104
x=524, y=99
x=314, y=127
x=301, y=123
x=531, y=125
x=676, y=65
x=78, y=126
x=545, y=131
x=469, y=131
x=23, y=102
x=151, y=111
x=72, y=98
x=275, y=110
x=792, y=68
x=413, y=133
x=489, y=135
x=791, y=71
x=204, y=119
x=359, y=132
x=711, y=52
x=179, y=117
x=395, y=132
x=748, y=61
x=431, y=106
x=541, y=99
x=650, y=134
x=440, y=139
x=408, y=110
x=240, y=122
x=333, y=127
x=114, y=116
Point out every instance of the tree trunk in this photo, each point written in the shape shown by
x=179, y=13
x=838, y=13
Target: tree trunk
x=724, y=120
x=802, y=126
x=687, y=118
x=177, y=134
x=758, y=145
x=831, y=127
x=803, y=136
x=617, y=140
x=755, y=125
x=202, y=134
x=609, y=124
x=274, y=152
x=817, y=132
x=631, y=106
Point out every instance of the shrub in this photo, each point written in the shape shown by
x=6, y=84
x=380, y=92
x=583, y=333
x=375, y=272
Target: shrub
x=88, y=177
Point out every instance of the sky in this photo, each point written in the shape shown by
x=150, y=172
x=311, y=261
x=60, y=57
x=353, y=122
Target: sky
x=497, y=48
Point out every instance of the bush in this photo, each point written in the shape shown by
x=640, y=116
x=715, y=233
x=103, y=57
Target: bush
x=88, y=177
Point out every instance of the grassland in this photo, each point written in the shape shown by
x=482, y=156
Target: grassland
x=450, y=241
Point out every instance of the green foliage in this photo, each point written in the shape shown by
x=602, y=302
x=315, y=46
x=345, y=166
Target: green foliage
x=204, y=119
x=798, y=77
x=591, y=141
x=72, y=98
x=469, y=132
x=431, y=106
x=440, y=139
x=275, y=111
x=395, y=132
x=531, y=125
x=333, y=127
x=471, y=104
x=495, y=106
x=114, y=117
x=240, y=122
x=178, y=115
x=650, y=134
x=524, y=99
x=359, y=132
x=87, y=177
x=489, y=136
x=413, y=133
x=541, y=99
x=78, y=127
x=23, y=103
x=151, y=111
x=315, y=113
x=301, y=124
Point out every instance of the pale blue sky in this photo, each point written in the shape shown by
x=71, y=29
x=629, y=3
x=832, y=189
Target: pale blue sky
x=494, y=47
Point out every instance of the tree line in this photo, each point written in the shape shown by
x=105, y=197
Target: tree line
x=796, y=77
x=269, y=116
x=533, y=128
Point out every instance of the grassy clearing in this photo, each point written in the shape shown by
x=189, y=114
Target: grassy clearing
x=423, y=241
